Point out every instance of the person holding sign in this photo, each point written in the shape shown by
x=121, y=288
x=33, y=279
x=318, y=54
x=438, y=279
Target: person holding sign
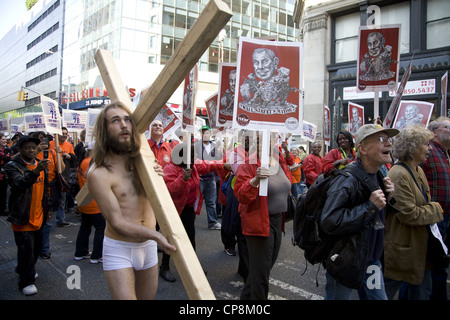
x=65, y=149
x=262, y=216
x=28, y=208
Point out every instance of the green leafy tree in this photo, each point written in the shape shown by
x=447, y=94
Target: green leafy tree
x=30, y=3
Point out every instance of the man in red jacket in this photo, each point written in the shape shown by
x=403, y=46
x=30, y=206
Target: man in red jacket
x=312, y=165
x=160, y=148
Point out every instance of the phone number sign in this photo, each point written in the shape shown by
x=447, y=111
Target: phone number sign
x=418, y=87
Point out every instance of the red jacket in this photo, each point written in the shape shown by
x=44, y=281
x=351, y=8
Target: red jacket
x=253, y=208
x=163, y=153
x=331, y=157
x=312, y=167
x=180, y=190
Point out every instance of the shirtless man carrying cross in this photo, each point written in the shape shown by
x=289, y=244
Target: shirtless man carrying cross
x=130, y=260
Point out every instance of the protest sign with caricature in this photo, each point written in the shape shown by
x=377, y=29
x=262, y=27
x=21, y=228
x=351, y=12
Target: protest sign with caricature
x=190, y=89
x=387, y=122
x=378, y=58
x=212, y=110
x=227, y=85
x=355, y=117
x=327, y=125
x=268, y=80
x=412, y=112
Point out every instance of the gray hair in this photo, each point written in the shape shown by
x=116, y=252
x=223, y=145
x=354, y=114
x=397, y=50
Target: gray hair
x=408, y=140
x=434, y=125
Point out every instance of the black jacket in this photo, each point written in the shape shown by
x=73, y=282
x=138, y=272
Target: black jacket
x=349, y=217
x=21, y=179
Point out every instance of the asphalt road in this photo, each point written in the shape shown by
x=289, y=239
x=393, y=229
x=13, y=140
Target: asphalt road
x=57, y=279
x=57, y=276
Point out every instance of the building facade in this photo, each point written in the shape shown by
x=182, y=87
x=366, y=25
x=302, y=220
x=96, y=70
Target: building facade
x=329, y=30
x=140, y=34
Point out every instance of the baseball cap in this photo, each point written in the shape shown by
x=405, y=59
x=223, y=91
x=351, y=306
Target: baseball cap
x=370, y=129
x=205, y=128
x=24, y=139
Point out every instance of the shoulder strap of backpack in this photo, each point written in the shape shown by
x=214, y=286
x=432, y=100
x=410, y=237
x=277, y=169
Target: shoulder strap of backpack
x=362, y=177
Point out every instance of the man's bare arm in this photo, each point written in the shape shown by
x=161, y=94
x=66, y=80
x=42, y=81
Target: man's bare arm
x=100, y=187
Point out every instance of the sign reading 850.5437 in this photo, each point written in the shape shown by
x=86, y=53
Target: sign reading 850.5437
x=52, y=117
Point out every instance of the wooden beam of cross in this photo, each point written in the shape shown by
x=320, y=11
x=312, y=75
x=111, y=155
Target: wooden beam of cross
x=212, y=20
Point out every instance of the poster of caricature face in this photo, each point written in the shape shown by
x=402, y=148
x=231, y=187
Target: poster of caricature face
x=227, y=84
x=190, y=89
x=326, y=125
x=412, y=112
x=378, y=58
x=268, y=80
x=169, y=120
x=355, y=117
x=211, y=110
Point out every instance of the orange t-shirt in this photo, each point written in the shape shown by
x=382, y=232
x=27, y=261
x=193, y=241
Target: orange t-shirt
x=92, y=207
x=297, y=173
x=51, y=165
x=66, y=147
x=36, y=210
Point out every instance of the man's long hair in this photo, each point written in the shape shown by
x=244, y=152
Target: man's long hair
x=102, y=146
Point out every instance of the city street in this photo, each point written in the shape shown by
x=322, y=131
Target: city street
x=56, y=279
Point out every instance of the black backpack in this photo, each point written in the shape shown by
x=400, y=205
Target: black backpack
x=307, y=234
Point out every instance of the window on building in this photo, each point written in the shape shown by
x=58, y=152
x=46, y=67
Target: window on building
x=398, y=14
x=438, y=23
x=346, y=37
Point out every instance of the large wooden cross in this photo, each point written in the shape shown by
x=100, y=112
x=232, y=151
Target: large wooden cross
x=212, y=20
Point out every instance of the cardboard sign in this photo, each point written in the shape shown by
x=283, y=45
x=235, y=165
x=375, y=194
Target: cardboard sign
x=227, y=85
x=269, y=81
x=412, y=112
x=378, y=58
x=52, y=117
x=355, y=117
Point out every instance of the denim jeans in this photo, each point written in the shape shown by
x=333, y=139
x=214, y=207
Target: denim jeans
x=46, y=237
x=412, y=292
x=372, y=289
x=208, y=189
x=295, y=189
x=58, y=202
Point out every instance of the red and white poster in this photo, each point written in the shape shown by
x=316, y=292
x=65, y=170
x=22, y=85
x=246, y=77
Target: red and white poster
x=444, y=83
x=211, y=110
x=387, y=122
x=227, y=84
x=355, y=117
x=326, y=125
x=412, y=112
x=378, y=58
x=269, y=80
x=190, y=89
x=169, y=120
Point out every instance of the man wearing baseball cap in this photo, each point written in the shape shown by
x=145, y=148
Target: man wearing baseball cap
x=28, y=210
x=354, y=214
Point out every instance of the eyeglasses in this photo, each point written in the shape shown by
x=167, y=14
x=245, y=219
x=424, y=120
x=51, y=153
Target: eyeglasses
x=384, y=139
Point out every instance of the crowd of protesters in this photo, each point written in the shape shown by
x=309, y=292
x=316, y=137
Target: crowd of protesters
x=391, y=226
